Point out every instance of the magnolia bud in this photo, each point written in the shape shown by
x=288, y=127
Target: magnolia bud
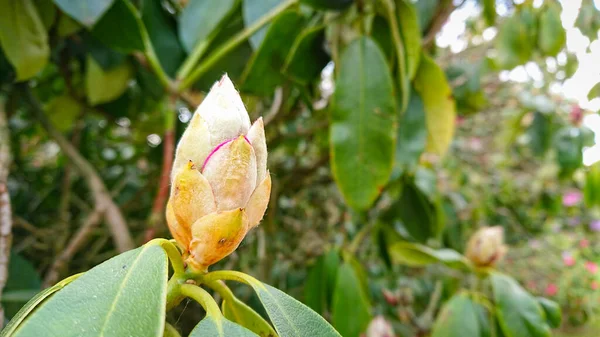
x=220, y=185
x=486, y=246
x=379, y=327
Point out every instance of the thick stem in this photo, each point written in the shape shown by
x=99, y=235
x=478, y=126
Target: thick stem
x=5, y=210
x=203, y=298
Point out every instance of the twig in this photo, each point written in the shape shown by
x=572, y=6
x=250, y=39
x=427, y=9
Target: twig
x=442, y=13
x=275, y=106
x=76, y=242
x=114, y=218
x=5, y=210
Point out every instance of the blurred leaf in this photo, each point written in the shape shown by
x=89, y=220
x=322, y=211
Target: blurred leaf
x=381, y=33
x=212, y=326
x=411, y=37
x=263, y=72
x=412, y=135
x=514, y=41
x=440, y=110
x=519, y=314
x=591, y=190
x=320, y=281
x=107, y=299
x=252, y=11
x=426, y=11
x=350, y=308
x=458, y=318
x=552, y=311
x=363, y=121
x=415, y=210
x=162, y=30
x=125, y=36
x=200, y=21
x=418, y=255
x=23, y=37
x=22, y=276
x=489, y=12
x=540, y=133
x=63, y=112
x=104, y=86
x=568, y=143
x=307, y=58
x=552, y=36
x=328, y=4
x=47, y=12
x=87, y=12
x=594, y=92
x=67, y=26
x=240, y=313
x=588, y=20
x=484, y=321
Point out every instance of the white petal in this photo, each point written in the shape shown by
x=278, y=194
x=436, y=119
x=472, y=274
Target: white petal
x=194, y=145
x=256, y=136
x=257, y=205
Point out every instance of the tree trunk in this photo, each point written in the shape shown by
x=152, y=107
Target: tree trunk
x=5, y=211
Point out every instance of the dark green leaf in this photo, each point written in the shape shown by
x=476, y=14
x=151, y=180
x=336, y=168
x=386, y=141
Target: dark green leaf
x=320, y=281
x=440, y=110
x=363, y=123
x=22, y=277
x=124, y=296
x=568, y=143
x=540, y=132
x=201, y=20
x=552, y=311
x=458, y=318
x=219, y=327
x=416, y=212
x=519, y=314
x=23, y=37
x=411, y=36
x=350, y=309
x=412, y=135
x=328, y=4
x=253, y=10
x=552, y=36
x=162, y=30
x=307, y=57
x=47, y=12
x=240, y=313
x=381, y=33
x=87, y=12
x=263, y=73
x=417, y=255
x=125, y=36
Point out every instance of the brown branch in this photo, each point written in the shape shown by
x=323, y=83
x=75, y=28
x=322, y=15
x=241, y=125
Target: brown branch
x=113, y=216
x=77, y=241
x=442, y=13
x=5, y=210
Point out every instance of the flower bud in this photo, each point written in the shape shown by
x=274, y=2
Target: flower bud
x=220, y=185
x=486, y=246
x=379, y=327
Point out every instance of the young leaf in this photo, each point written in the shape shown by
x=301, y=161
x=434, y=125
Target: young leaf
x=518, y=312
x=219, y=327
x=411, y=35
x=87, y=12
x=307, y=57
x=552, y=311
x=126, y=36
x=458, y=318
x=440, y=110
x=350, y=309
x=263, y=73
x=104, y=86
x=363, y=123
x=240, y=313
x=253, y=10
x=23, y=37
x=200, y=20
x=417, y=255
x=124, y=296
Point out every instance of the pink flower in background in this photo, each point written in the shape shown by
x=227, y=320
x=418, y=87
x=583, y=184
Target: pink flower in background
x=591, y=267
x=551, y=289
x=584, y=243
x=568, y=259
x=595, y=226
x=571, y=198
x=595, y=285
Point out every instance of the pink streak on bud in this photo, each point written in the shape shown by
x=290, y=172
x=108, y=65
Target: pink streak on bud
x=217, y=149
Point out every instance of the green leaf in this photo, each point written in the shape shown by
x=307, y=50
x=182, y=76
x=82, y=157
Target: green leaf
x=240, y=313
x=552, y=36
x=219, y=327
x=417, y=255
x=484, y=320
x=125, y=36
x=363, y=123
x=412, y=135
x=382, y=34
x=320, y=282
x=22, y=279
x=328, y=4
x=440, y=110
x=16, y=321
x=63, y=112
x=515, y=41
x=87, y=12
x=518, y=312
x=594, y=92
x=416, y=212
x=200, y=21
x=568, y=143
x=124, y=296
x=350, y=309
x=252, y=11
x=290, y=317
x=591, y=190
x=104, y=86
x=307, y=58
x=489, y=12
x=66, y=26
x=23, y=37
x=47, y=12
x=263, y=73
x=162, y=30
x=411, y=36
x=458, y=318
x=552, y=311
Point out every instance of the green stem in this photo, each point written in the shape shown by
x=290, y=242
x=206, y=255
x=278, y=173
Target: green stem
x=232, y=43
x=222, y=289
x=170, y=331
x=230, y=275
x=403, y=83
x=192, y=59
x=203, y=298
x=173, y=254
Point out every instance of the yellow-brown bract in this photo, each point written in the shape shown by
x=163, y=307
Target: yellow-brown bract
x=486, y=246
